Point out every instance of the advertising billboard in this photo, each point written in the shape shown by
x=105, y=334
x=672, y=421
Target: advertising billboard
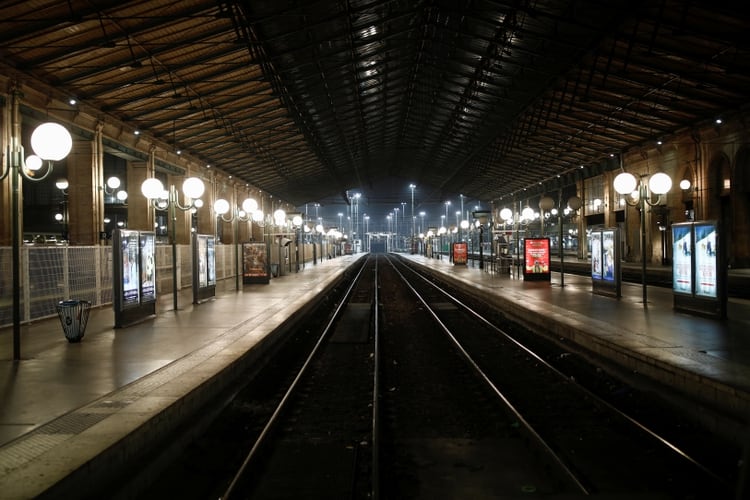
x=605, y=261
x=697, y=278
x=460, y=253
x=705, y=260
x=134, y=276
x=148, y=266
x=682, y=262
x=204, y=267
x=596, y=254
x=130, y=276
x=255, y=263
x=536, y=253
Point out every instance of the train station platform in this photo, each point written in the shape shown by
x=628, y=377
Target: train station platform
x=703, y=360
x=72, y=413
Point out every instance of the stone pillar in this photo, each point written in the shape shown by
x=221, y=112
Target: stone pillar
x=85, y=204
x=140, y=212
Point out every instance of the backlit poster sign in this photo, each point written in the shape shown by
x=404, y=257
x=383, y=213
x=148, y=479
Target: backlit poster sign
x=460, y=253
x=605, y=261
x=255, y=263
x=596, y=254
x=130, y=275
x=202, y=261
x=204, y=267
x=134, y=276
x=148, y=267
x=705, y=260
x=682, y=264
x=698, y=281
x=211, y=259
x=536, y=258
x=608, y=255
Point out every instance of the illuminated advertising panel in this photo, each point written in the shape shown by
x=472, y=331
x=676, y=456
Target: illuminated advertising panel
x=130, y=273
x=682, y=264
x=596, y=254
x=705, y=260
x=202, y=262
x=608, y=255
x=460, y=253
x=211, y=259
x=536, y=255
x=148, y=267
x=255, y=263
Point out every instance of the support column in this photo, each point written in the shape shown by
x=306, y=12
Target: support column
x=140, y=211
x=85, y=213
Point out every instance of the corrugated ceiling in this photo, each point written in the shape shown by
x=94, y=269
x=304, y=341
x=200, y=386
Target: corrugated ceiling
x=309, y=99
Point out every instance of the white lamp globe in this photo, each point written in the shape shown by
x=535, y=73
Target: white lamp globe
x=61, y=183
x=464, y=224
x=279, y=216
x=33, y=163
x=152, y=188
x=221, y=206
x=51, y=141
x=660, y=183
x=122, y=195
x=198, y=203
x=684, y=184
x=249, y=205
x=297, y=220
x=625, y=183
x=319, y=228
x=113, y=182
x=527, y=213
x=506, y=213
x=257, y=215
x=58, y=217
x=193, y=187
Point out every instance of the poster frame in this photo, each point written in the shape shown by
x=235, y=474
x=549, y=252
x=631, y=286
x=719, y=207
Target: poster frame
x=606, y=261
x=255, y=263
x=712, y=265
x=128, y=258
x=460, y=253
x=203, y=262
x=529, y=272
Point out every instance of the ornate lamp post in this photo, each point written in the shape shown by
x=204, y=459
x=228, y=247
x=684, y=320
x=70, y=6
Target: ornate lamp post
x=640, y=191
x=162, y=199
x=244, y=214
x=481, y=216
x=50, y=142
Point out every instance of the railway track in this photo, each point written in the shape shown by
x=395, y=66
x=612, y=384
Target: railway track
x=408, y=392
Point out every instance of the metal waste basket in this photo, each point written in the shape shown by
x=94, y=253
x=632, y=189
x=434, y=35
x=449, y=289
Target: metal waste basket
x=74, y=314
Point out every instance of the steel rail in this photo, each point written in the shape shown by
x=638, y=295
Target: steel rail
x=643, y=427
x=287, y=396
x=541, y=443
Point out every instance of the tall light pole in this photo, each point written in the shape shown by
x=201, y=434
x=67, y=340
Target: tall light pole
x=161, y=199
x=626, y=183
x=50, y=142
x=413, y=220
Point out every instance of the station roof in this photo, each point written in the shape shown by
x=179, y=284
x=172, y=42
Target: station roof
x=307, y=100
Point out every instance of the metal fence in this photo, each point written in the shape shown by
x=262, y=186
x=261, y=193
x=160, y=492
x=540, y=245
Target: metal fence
x=50, y=274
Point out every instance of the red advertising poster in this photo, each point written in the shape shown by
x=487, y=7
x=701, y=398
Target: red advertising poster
x=536, y=258
x=460, y=253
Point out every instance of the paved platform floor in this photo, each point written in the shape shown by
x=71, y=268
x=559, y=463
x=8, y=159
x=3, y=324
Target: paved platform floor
x=73, y=409
x=70, y=411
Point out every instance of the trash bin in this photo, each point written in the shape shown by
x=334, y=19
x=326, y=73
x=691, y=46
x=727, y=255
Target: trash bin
x=74, y=314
